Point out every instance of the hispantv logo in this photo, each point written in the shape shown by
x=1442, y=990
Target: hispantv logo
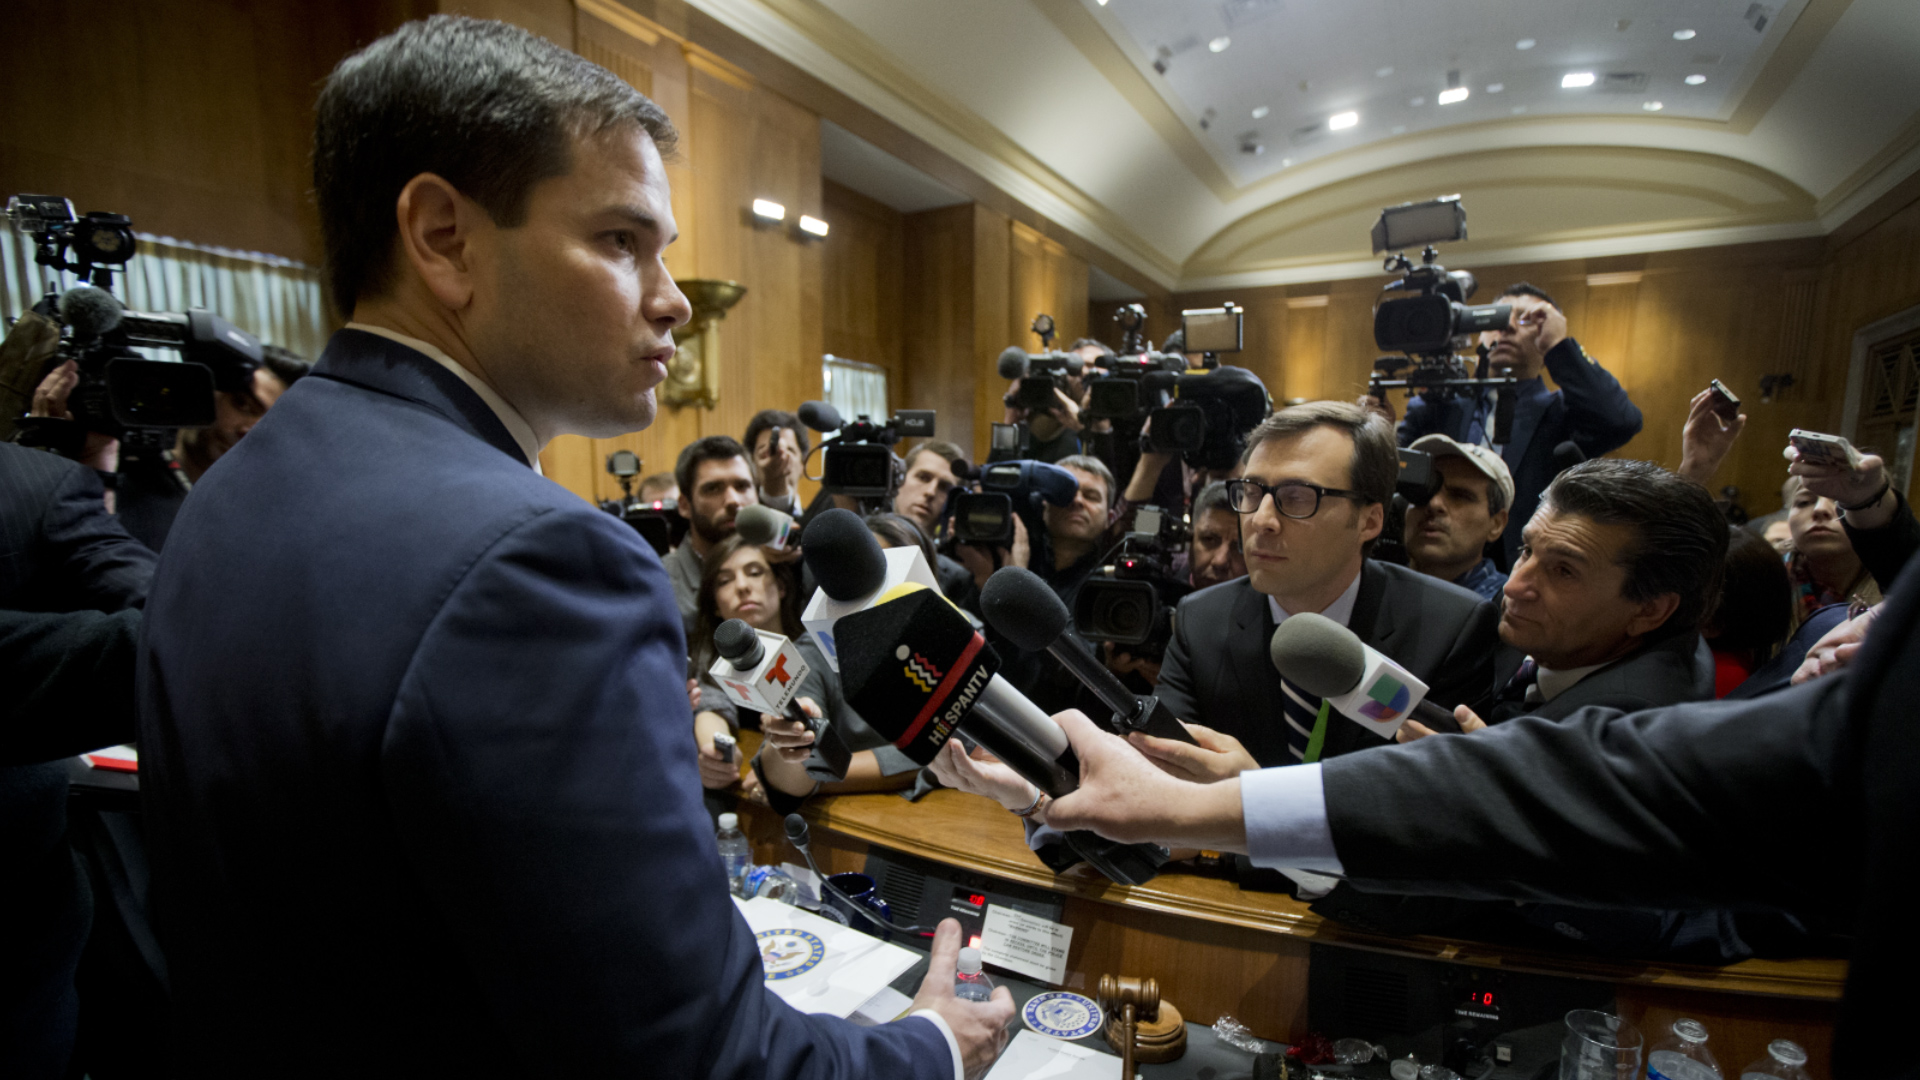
x=920, y=670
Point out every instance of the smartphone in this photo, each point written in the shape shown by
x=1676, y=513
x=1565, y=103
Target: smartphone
x=1724, y=400
x=723, y=745
x=1818, y=449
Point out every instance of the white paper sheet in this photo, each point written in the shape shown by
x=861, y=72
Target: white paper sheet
x=850, y=969
x=1032, y=1056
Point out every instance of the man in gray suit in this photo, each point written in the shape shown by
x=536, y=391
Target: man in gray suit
x=1311, y=499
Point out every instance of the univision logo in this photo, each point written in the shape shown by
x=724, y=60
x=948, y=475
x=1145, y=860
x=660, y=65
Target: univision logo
x=920, y=670
x=1387, y=698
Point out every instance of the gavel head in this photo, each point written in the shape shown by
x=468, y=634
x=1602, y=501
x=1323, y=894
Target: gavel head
x=1142, y=994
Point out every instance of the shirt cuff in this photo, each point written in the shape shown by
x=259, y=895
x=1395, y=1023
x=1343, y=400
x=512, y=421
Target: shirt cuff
x=1285, y=810
x=953, y=1044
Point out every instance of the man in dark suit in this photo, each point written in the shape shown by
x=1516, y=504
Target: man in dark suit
x=1589, y=409
x=1311, y=499
x=61, y=554
x=1691, y=805
x=420, y=786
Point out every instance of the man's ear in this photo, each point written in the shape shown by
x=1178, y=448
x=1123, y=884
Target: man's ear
x=1653, y=614
x=1496, y=526
x=437, y=230
x=1373, y=521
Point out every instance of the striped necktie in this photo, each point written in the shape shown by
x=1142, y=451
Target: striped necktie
x=1302, y=712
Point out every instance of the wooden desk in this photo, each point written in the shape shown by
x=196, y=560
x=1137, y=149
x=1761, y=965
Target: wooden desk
x=1216, y=949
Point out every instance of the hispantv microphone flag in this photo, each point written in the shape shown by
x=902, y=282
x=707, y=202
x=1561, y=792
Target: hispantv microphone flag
x=913, y=666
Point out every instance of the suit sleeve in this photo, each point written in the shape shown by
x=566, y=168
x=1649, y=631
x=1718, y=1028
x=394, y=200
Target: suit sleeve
x=69, y=684
x=1176, y=688
x=1687, y=806
x=106, y=568
x=1466, y=675
x=1884, y=551
x=1599, y=414
x=543, y=782
x=1421, y=419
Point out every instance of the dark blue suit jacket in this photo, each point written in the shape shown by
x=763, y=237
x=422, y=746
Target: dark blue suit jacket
x=1590, y=409
x=417, y=763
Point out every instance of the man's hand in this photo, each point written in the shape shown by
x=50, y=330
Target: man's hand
x=790, y=738
x=1849, y=487
x=984, y=775
x=1707, y=438
x=1539, y=324
x=1067, y=410
x=1218, y=757
x=776, y=556
x=1465, y=717
x=980, y=1027
x=99, y=452
x=716, y=772
x=981, y=561
x=1837, y=648
x=1122, y=662
x=1125, y=797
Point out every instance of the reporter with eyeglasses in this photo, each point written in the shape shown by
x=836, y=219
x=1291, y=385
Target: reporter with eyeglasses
x=1311, y=500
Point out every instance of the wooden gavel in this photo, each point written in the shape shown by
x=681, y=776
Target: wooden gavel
x=1139, y=1024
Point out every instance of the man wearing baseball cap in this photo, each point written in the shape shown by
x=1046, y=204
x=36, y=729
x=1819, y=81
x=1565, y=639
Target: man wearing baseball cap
x=1448, y=536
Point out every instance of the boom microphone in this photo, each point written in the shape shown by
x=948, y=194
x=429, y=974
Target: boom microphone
x=1013, y=362
x=820, y=416
x=1567, y=455
x=847, y=562
x=764, y=526
x=919, y=672
x=1027, y=611
x=1330, y=661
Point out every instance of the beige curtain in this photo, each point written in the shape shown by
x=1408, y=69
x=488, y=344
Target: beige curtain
x=855, y=388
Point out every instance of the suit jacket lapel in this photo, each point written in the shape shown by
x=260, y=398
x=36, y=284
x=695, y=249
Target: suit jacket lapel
x=1528, y=408
x=386, y=366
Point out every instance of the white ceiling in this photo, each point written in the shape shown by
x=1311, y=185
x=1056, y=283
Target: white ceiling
x=1056, y=102
x=853, y=162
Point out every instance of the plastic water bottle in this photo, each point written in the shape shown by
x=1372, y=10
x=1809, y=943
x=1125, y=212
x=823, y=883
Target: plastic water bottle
x=969, y=982
x=1683, y=1054
x=1785, y=1060
x=735, y=853
x=770, y=882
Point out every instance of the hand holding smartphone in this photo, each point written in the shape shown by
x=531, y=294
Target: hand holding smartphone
x=1819, y=449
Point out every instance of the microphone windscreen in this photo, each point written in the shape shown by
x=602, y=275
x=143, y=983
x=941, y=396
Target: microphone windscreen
x=845, y=558
x=912, y=668
x=1055, y=484
x=759, y=524
x=90, y=311
x=1074, y=361
x=1318, y=655
x=819, y=416
x=736, y=641
x=796, y=830
x=1567, y=455
x=1013, y=362
x=1024, y=608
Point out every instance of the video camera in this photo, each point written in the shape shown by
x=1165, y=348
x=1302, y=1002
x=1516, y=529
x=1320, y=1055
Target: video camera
x=860, y=462
x=1130, y=600
x=1007, y=488
x=1210, y=417
x=120, y=393
x=1427, y=325
x=657, y=521
x=1418, y=482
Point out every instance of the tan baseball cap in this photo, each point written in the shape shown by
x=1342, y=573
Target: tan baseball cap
x=1484, y=459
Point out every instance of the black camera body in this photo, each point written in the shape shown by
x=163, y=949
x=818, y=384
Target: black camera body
x=1208, y=423
x=1417, y=484
x=1425, y=325
x=1008, y=488
x=1130, y=601
x=1041, y=377
x=658, y=521
x=1139, y=384
x=859, y=461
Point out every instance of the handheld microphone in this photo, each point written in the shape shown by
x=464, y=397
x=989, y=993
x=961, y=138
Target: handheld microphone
x=1026, y=611
x=1330, y=661
x=820, y=416
x=763, y=671
x=797, y=836
x=765, y=527
x=852, y=571
x=1013, y=362
x=920, y=673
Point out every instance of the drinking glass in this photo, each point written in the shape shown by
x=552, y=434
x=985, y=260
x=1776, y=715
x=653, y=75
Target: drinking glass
x=1599, y=1046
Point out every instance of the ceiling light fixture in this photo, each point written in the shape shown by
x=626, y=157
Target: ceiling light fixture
x=1524, y=44
x=768, y=210
x=1260, y=112
x=1384, y=72
x=1494, y=87
x=813, y=226
x=1453, y=96
x=1219, y=44
x=1416, y=102
x=1574, y=80
x=1696, y=80
x=1683, y=35
x=1652, y=106
x=1342, y=121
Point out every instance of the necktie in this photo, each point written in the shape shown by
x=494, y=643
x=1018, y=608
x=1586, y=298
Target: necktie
x=1521, y=690
x=1480, y=428
x=1306, y=717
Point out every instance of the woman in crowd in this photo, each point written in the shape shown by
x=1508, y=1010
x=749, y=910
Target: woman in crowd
x=1823, y=565
x=1755, y=613
x=738, y=583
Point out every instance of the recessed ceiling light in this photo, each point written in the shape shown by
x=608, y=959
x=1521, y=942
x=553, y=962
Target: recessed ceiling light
x=1416, y=102
x=1260, y=112
x=1384, y=72
x=768, y=210
x=1453, y=96
x=1103, y=3
x=1683, y=35
x=1220, y=43
x=1696, y=80
x=1342, y=121
x=1494, y=87
x=1574, y=80
x=1524, y=43
x=1652, y=106
x=1285, y=161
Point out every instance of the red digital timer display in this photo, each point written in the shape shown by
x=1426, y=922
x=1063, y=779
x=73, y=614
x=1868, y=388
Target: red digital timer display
x=1482, y=999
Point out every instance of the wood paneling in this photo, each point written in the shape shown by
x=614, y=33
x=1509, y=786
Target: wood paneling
x=863, y=288
x=937, y=336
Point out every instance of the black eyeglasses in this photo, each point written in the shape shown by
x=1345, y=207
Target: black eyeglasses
x=1293, y=498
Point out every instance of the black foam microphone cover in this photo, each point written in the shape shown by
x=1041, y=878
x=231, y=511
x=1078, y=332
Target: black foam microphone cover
x=737, y=642
x=1013, y=362
x=912, y=667
x=820, y=416
x=1024, y=608
x=797, y=831
x=1567, y=455
x=845, y=558
x=90, y=311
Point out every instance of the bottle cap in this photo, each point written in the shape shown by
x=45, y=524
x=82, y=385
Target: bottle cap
x=1784, y=1050
x=1691, y=1030
x=729, y=821
x=969, y=961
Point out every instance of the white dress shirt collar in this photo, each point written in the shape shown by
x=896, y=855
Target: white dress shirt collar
x=1552, y=683
x=1340, y=611
x=510, y=417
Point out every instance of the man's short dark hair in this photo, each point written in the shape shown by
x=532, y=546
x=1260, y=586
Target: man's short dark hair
x=767, y=420
x=1522, y=288
x=1094, y=466
x=711, y=448
x=1375, y=467
x=489, y=107
x=1681, y=537
x=1212, y=497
